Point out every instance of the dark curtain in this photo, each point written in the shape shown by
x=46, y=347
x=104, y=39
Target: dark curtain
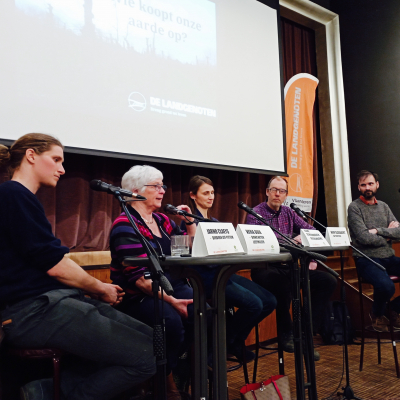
x=82, y=218
x=299, y=56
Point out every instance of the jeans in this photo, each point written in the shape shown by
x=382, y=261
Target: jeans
x=254, y=303
x=178, y=330
x=118, y=349
x=383, y=286
x=277, y=280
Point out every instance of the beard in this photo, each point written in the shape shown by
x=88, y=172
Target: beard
x=369, y=194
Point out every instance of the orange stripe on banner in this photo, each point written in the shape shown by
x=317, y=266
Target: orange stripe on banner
x=299, y=105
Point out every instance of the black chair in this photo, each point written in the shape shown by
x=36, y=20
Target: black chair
x=236, y=363
x=43, y=353
x=259, y=346
x=395, y=279
x=39, y=353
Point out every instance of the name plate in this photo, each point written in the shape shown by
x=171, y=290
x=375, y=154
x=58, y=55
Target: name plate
x=257, y=239
x=312, y=238
x=337, y=237
x=213, y=238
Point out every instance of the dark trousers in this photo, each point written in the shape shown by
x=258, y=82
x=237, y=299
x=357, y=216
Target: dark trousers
x=383, y=286
x=120, y=349
x=277, y=280
x=253, y=302
x=178, y=330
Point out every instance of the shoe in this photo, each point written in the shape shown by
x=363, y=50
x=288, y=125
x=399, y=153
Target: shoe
x=379, y=324
x=237, y=351
x=41, y=389
x=286, y=342
x=317, y=356
x=395, y=319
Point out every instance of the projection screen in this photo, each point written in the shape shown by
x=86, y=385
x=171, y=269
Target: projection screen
x=194, y=82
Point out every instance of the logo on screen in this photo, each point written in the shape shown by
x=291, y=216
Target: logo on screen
x=137, y=101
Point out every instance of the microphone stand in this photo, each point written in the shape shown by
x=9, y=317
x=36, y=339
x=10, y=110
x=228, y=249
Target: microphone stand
x=348, y=392
x=200, y=219
x=186, y=214
x=158, y=281
x=299, y=253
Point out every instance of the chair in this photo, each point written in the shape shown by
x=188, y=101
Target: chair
x=258, y=347
x=40, y=353
x=43, y=353
x=237, y=364
x=395, y=279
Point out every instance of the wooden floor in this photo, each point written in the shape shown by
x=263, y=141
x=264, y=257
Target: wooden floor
x=375, y=382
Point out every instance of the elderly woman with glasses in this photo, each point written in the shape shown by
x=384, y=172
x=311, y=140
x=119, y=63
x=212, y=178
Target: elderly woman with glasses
x=157, y=228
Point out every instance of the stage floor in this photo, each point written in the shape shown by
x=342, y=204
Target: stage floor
x=375, y=382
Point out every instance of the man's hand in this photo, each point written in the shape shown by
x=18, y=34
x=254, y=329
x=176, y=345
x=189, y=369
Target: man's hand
x=112, y=294
x=394, y=224
x=373, y=231
x=181, y=306
x=312, y=265
x=297, y=239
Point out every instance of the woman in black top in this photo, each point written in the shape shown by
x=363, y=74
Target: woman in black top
x=41, y=291
x=254, y=302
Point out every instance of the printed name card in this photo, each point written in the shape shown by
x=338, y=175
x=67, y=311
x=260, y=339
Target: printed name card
x=337, y=237
x=312, y=238
x=213, y=238
x=257, y=239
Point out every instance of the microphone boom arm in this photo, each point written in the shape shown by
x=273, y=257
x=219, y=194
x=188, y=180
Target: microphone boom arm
x=292, y=244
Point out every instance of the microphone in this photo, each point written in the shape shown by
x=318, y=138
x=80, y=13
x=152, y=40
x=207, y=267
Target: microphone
x=298, y=211
x=292, y=246
x=100, y=186
x=170, y=209
x=248, y=209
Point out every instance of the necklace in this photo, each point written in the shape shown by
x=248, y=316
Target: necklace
x=145, y=220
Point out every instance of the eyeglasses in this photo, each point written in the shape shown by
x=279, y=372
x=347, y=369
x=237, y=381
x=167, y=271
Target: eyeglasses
x=159, y=187
x=275, y=190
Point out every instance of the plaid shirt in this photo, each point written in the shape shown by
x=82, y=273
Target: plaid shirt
x=124, y=242
x=285, y=220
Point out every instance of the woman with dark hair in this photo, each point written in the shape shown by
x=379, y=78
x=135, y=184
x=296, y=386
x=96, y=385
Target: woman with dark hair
x=42, y=302
x=254, y=303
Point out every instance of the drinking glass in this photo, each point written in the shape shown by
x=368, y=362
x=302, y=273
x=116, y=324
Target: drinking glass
x=180, y=245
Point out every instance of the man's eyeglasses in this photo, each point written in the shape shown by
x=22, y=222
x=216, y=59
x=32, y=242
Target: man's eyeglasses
x=280, y=191
x=159, y=187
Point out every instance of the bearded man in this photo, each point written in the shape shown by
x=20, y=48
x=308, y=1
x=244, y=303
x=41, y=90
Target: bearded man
x=372, y=228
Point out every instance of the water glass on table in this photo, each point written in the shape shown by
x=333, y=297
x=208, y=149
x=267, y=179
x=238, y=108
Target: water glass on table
x=180, y=245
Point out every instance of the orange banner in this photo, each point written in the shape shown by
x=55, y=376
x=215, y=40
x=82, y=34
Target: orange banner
x=299, y=105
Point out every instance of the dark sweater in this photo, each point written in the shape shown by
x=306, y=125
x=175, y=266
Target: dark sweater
x=362, y=218
x=125, y=243
x=28, y=248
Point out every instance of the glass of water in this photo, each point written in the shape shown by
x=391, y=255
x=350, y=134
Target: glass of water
x=180, y=245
